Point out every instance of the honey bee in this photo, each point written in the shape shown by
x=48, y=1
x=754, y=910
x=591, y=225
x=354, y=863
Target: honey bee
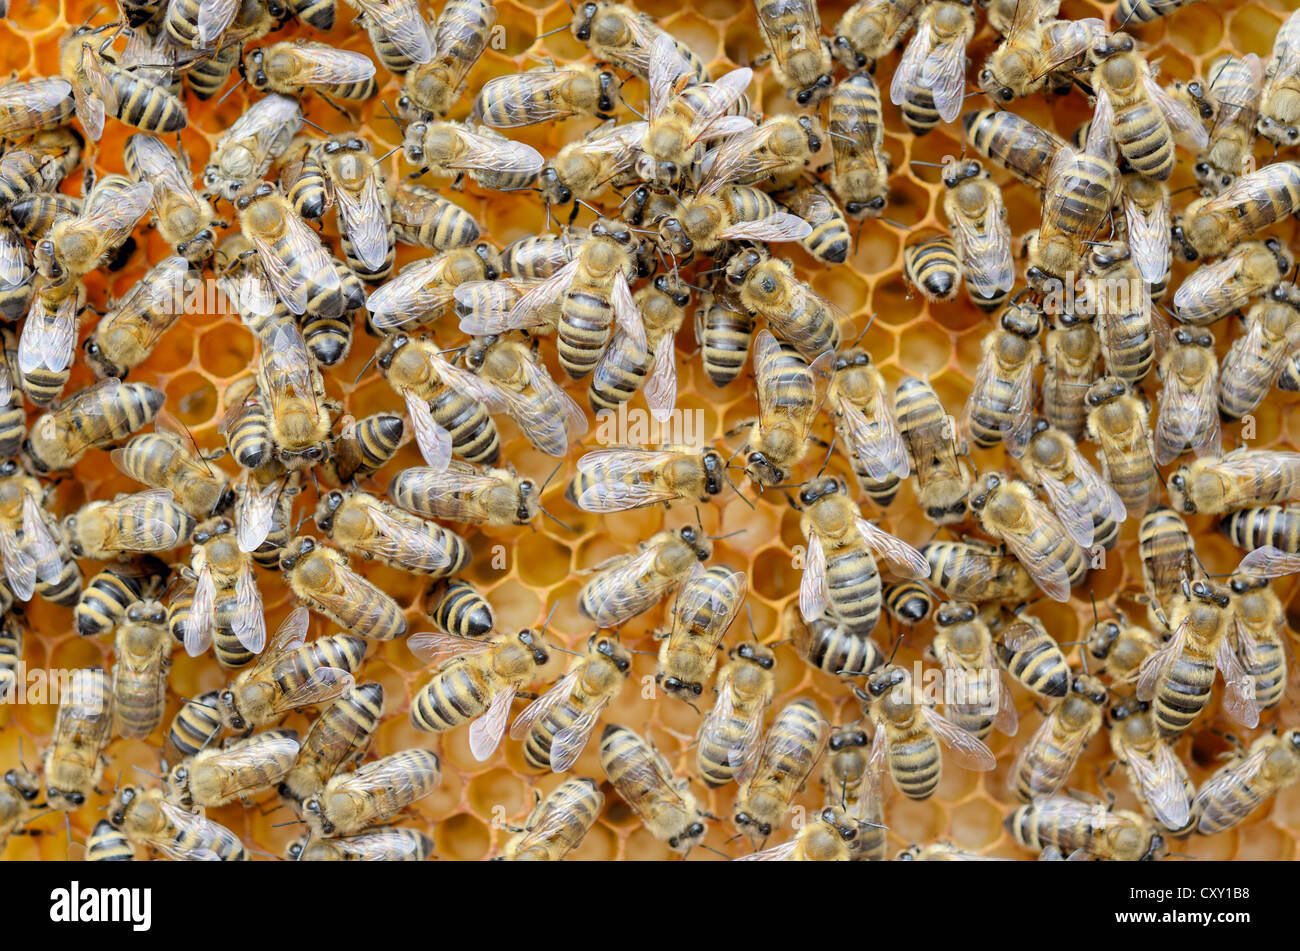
x=1276, y=526
x=424, y=218
x=35, y=556
x=624, y=366
x=790, y=392
x=33, y=106
x=1015, y=143
x=106, y=844
x=796, y=314
x=864, y=418
x=322, y=579
x=933, y=267
x=1125, y=324
x=724, y=329
x=1155, y=774
x=1045, y=763
x=354, y=182
x=860, y=174
x=1089, y=509
x=150, y=820
x=75, y=246
x=828, y=646
x=1147, y=230
x=1077, y=196
x=853, y=785
x=168, y=459
x=1086, y=829
x=432, y=86
x=244, y=767
x=1177, y=679
x=705, y=609
x=976, y=571
x=801, y=58
x=184, y=218
x=1216, y=290
x=556, y=726
x=338, y=736
x=1189, y=419
x=908, y=735
x=1279, y=116
x=558, y=824
x=456, y=607
x=15, y=279
x=621, y=35
x=452, y=149
x=1119, y=423
x=1257, y=358
x=840, y=573
x=964, y=646
x=974, y=208
x=614, y=480
x=999, y=408
x=399, y=33
x=1213, y=226
x=628, y=585
x=1121, y=647
x=643, y=779
x=35, y=215
x=373, y=794
x=142, y=656
x=930, y=81
x=304, y=276
x=197, y=724
x=1236, y=88
x=584, y=169
x=1134, y=115
x=290, y=674
x=102, y=86
x=1242, y=478
x=363, y=446
x=545, y=94
x=679, y=122
x=1037, y=46
x=372, y=845
x=74, y=760
x=1258, y=617
x=1029, y=653
x=45, y=349
x=829, y=837
x=19, y=791
x=478, y=683
x=942, y=479
x=127, y=334
x=369, y=527
x=465, y=494
x=1240, y=786
x=1168, y=558
x=141, y=522
x=199, y=24
x=40, y=166
x=729, y=738
x=791, y=749
x=246, y=150
x=292, y=66
x=1009, y=511
x=221, y=564
x=871, y=28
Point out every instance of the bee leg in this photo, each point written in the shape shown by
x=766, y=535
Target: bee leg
x=336, y=107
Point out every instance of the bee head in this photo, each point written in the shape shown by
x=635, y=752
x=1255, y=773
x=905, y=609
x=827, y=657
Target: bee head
x=150, y=612
x=1089, y=688
x=810, y=131
x=681, y=689
x=327, y=509
x=24, y=783
x=1105, y=390
x=531, y=640
x=582, y=21
x=1103, y=638
x=554, y=191
x=608, y=90
x=123, y=799
x=814, y=92
x=614, y=651
x=991, y=483
x=700, y=546
x=671, y=230
x=1293, y=738
x=758, y=653
x=954, y=612
x=296, y=551
x=845, y=739
x=527, y=492
x=957, y=172
x=740, y=265
x=859, y=208
x=1205, y=592
x=746, y=821
x=488, y=255
x=885, y=679
x=1178, y=487
x=389, y=350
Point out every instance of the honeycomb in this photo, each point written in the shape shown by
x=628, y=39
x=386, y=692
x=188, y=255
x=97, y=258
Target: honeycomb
x=469, y=814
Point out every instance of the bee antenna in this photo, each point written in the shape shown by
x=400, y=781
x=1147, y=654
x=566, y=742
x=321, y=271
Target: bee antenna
x=146, y=772
x=550, y=614
x=594, y=210
x=750, y=614
x=899, y=225
x=827, y=461
x=923, y=164
x=392, y=115
x=280, y=825
x=558, y=29
x=897, y=644
x=307, y=121
x=718, y=538
x=543, y=510
x=858, y=338
x=230, y=90
x=550, y=477
x=744, y=498
x=709, y=848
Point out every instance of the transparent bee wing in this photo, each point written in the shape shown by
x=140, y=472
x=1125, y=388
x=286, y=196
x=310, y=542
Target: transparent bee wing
x=1045, y=776
x=407, y=544
x=21, y=100
x=877, y=443
x=944, y=73
x=968, y=751
x=48, y=339
x=777, y=853
x=542, y=89
x=198, y=839
x=419, y=289
x=1148, y=237
x=619, y=496
x=1161, y=781
x=251, y=292
x=909, y=68
x=485, y=307
x=1050, y=576
x=1021, y=408
x=1101, y=133
x=904, y=560
x=300, y=245
x=1239, y=698
x=42, y=543
x=436, y=646
x=485, y=733
x=569, y=742
x=321, y=686
x=635, y=586
x=547, y=703
x=213, y=19
x=15, y=261
x=812, y=586
x=709, y=121
x=1183, y=122
x=1074, y=514
x=1188, y=418
x=255, y=514
x=1269, y=562
x=661, y=384
x=115, y=213
x=666, y=66
x=1155, y=665
x=287, y=363
x=1226, y=784
x=249, y=624
x=547, y=415
x=433, y=441
x=1007, y=718
x=1071, y=39
x=364, y=221
x=626, y=313
x=1258, y=465
x=327, y=65
x=197, y=629
x=267, y=119
x=158, y=165
x=404, y=25
x=140, y=529
x=20, y=567
x=379, y=845
x=986, y=252
x=781, y=226
x=555, y=820
x=491, y=154
x=742, y=155
x=352, y=590
x=87, y=97
x=543, y=297
x=1101, y=494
